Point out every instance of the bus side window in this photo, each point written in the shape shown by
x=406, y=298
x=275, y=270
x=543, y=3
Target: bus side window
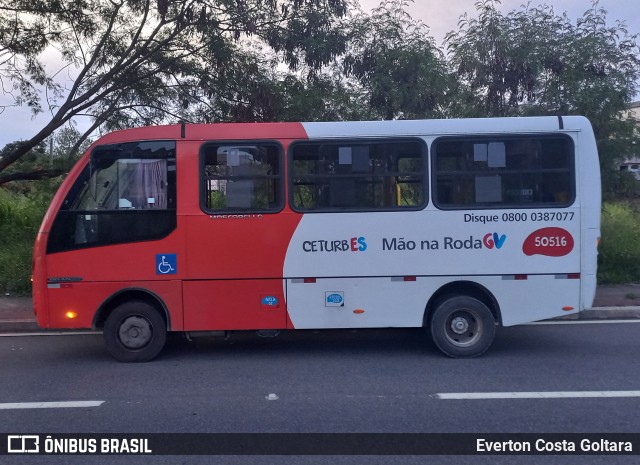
x=241, y=178
x=509, y=171
x=353, y=175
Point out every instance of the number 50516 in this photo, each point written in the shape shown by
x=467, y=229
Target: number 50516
x=550, y=241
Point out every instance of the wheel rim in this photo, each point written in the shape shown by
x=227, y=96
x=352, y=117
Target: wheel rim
x=135, y=332
x=463, y=328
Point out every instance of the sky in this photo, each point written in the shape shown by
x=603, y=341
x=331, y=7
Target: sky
x=441, y=16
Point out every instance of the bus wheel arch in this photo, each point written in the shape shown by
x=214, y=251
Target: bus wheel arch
x=135, y=324
x=461, y=318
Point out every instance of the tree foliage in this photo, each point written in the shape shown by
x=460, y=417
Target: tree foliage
x=142, y=61
x=535, y=58
x=49, y=159
x=397, y=65
x=33, y=165
x=533, y=61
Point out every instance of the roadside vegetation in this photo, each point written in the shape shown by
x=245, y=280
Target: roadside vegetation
x=21, y=213
x=619, y=258
x=20, y=218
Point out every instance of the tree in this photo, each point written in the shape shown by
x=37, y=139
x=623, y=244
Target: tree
x=535, y=62
x=34, y=165
x=50, y=158
x=390, y=69
x=269, y=93
x=22, y=39
x=397, y=64
x=68, y=144
x=144, y=61
x=502, y=59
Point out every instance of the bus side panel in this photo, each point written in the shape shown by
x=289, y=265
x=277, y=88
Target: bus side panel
x=523, y=257
x=358, y=302
x=85, y=299
x=588, y=168
x=436, y=243
x=234, y=269
x=591, y=237
x=133, y=261
x=82, y=280
x=238, y=246
x=396, y=302
x=539, y=297
x=234, y=304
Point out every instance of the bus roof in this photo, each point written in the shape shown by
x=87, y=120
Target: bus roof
x=304, y=130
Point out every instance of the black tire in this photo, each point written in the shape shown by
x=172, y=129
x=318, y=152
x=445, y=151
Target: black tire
x=462, y=327
x=135, y=332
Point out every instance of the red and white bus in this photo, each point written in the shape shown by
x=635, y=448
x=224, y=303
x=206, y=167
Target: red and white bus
x=456, y=226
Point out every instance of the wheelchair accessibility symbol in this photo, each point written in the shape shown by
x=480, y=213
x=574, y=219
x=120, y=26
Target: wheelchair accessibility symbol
x=166, y=263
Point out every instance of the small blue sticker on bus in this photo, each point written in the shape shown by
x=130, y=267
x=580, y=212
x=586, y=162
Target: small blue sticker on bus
x=166, y=263
x=334, y=299
x=270, y=301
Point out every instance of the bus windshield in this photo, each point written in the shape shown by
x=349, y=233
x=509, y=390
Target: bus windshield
x=127, y=193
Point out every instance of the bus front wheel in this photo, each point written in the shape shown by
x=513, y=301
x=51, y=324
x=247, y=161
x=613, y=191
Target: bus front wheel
x=462, y=326
x=135, y=332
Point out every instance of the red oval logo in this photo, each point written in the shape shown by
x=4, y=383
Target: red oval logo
x=552, y=242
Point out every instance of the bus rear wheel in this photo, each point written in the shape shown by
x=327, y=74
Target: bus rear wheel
x=462, y=327
x=135, y=332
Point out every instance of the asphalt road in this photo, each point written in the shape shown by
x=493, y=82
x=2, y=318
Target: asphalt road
x=331, y=381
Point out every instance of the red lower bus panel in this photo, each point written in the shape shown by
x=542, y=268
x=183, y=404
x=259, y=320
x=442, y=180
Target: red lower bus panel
x=84, y=300
x=234, y=304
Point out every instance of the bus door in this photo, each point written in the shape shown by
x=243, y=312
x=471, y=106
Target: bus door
x=236, y=247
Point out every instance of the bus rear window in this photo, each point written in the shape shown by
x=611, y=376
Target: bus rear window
x=503, y=172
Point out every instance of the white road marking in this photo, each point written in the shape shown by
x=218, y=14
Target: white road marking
x=534, y=395
x=582, y=322
x=70, y=404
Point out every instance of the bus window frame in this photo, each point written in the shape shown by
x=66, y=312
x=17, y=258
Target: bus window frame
x=241, y=142
x=355, y=140
x=573, y=195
